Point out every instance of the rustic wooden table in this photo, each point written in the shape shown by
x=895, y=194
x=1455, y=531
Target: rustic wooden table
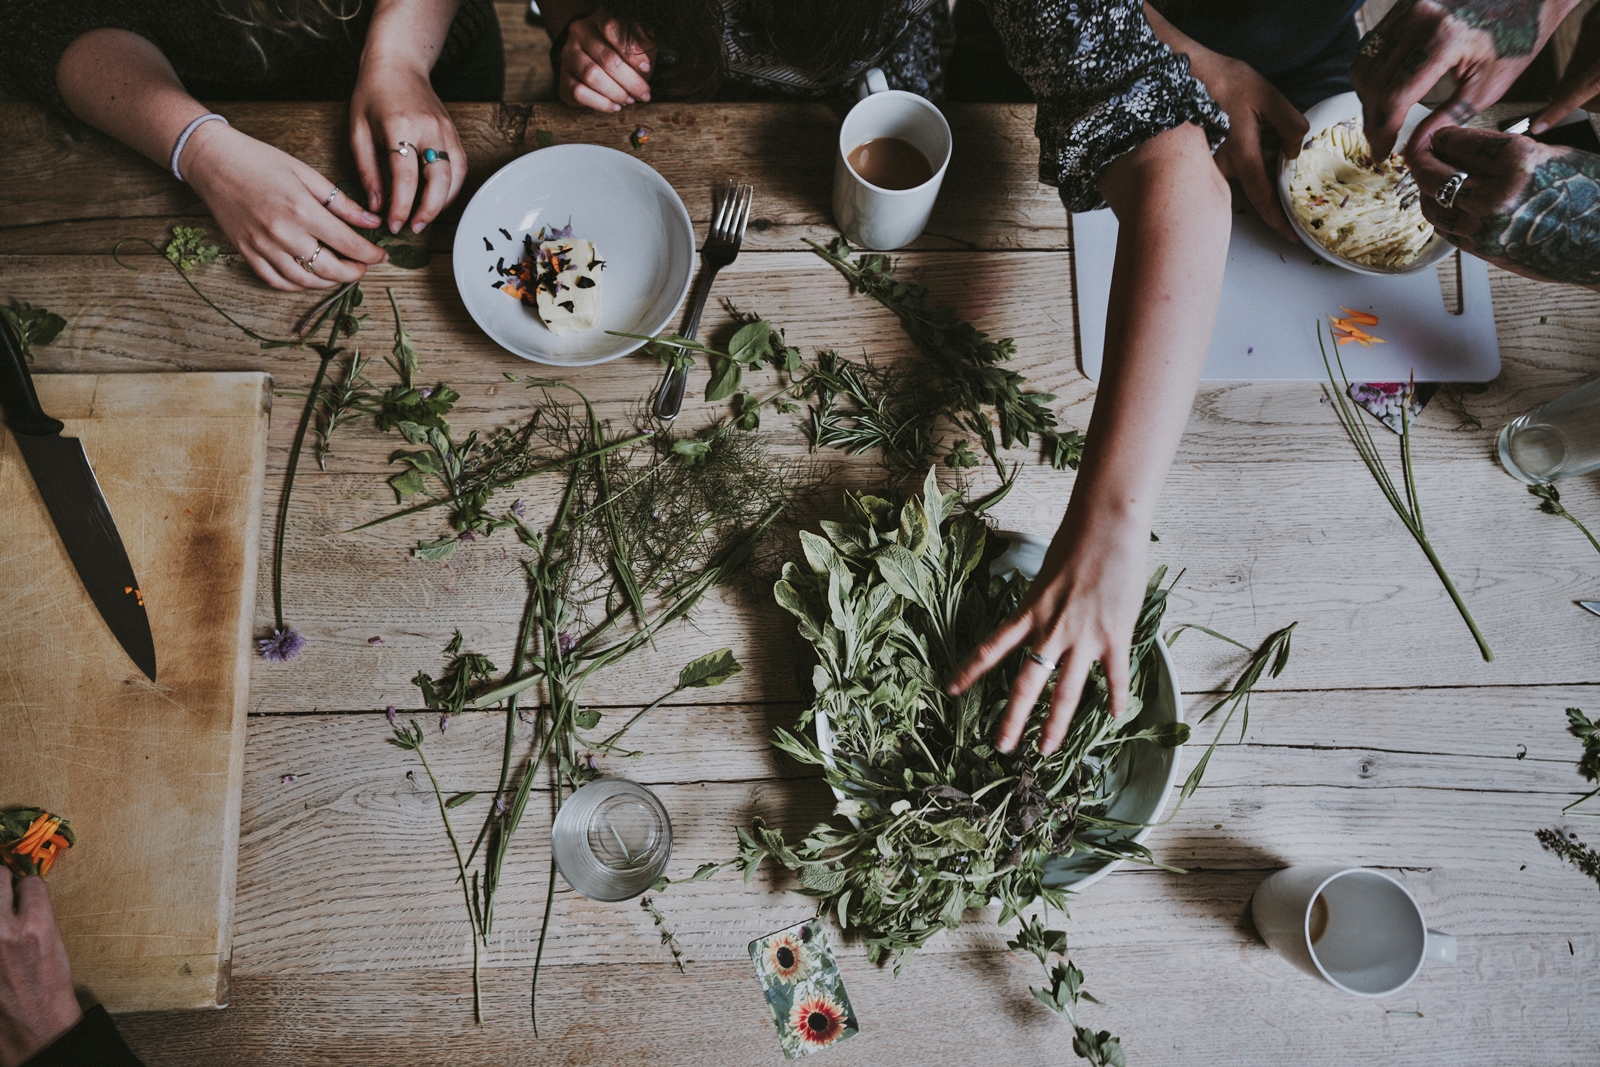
x=1388, y=742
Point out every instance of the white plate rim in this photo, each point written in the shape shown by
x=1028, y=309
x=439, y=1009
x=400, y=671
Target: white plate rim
x=462, y=247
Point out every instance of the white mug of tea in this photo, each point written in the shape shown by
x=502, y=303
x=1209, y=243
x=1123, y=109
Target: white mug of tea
x=894, y=147
x=1357, y=929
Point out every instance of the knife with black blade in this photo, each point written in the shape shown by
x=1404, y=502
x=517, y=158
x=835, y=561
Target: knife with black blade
x=66, y=481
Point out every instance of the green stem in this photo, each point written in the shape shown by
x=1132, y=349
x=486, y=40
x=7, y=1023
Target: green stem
x=472, y=914
x=538, y=958
x=1461, y=606
x=288, y=488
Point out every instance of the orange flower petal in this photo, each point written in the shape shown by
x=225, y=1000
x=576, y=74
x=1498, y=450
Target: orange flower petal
x=1365, y=318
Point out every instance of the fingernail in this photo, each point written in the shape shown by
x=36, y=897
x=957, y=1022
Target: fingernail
x=373, y=200
x=645, y=98
x=616, y=107
x=416, y=227
x=394, y=227
x=644, y=67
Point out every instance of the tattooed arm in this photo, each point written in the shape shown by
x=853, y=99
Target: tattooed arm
x=1484, y=44
x=1533, y=209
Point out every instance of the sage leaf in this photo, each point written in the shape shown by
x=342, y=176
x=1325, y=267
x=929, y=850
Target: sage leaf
x=903, y=574
x=709, y=670
x=436, y=551
x=407, y=485
x=586, y=718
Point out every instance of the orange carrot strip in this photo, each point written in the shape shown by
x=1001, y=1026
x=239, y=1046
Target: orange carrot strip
x=41, y=829
x=45, y=864
x=59, y=841
x=1363, y=317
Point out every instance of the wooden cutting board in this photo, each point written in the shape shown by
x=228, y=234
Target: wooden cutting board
x=147, y=773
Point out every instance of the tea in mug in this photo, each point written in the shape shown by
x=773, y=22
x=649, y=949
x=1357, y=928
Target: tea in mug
x=890, y=163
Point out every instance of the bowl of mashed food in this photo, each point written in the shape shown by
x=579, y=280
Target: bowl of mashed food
x=1362, y=214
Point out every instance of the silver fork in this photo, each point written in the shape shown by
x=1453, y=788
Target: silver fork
x=728, y=224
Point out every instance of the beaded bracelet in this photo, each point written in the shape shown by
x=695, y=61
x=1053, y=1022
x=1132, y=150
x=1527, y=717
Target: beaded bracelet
x=183, y=139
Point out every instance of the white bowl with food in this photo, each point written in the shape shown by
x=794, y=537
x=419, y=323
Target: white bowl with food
x=1357, y=216
x=567, y=243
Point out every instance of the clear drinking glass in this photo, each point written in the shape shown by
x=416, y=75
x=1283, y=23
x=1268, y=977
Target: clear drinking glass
x=1555, y=440
x=611, y=839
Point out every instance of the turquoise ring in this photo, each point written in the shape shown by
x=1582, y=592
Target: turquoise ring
x=433, y=155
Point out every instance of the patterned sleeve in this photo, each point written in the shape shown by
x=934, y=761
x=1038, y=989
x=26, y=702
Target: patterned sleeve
x=1105, y=85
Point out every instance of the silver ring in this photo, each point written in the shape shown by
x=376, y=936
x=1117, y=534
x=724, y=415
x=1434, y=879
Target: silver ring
x=1371, y=46
x=405, y=149
x=308, y=264
x=1446, y=196
x=1041, y=661
x=329, y=198
x=433, y=155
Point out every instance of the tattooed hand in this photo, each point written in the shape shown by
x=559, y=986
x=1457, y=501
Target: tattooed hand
x=1533, y=209
x=1484, y=44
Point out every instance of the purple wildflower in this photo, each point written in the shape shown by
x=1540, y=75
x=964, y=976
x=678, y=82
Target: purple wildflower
x=593, y=766
x=467, y=536
x=500, y=805
x=286, y=779
x=1250, y=351
x=427, y=393
x=565, y=642
x=517, y=509
x=374, y=640
x=556, y=233
x=389, y=713
x=283, y=646
x=444, y=722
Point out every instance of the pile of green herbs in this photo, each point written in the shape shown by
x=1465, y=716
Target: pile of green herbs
x=641, y=532
x=891, y=601
x=910, y=416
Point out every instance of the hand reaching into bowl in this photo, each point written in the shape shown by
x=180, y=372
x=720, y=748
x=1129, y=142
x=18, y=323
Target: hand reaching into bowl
x=1533, y=209
x=1483, y=44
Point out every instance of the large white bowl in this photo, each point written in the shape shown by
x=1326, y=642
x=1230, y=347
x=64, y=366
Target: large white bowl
x=1334, y=110
x=1140, y=781
x=635, y=219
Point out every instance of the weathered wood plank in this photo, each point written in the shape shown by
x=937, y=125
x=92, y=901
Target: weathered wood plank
x=1227, y=1000
x=351, y=818
x=991, y=197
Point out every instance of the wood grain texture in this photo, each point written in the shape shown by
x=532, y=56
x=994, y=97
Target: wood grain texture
x=1510, y=999
x=1386, y=743
x=991, y=197
x=147, y=773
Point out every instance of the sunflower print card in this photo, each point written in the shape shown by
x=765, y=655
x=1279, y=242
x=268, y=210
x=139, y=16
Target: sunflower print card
x=803, y=989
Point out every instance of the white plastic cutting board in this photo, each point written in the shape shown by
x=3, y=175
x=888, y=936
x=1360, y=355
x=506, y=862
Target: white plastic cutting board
x=1273, y=295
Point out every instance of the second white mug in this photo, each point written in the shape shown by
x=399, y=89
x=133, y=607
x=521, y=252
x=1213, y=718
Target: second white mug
x=1357, y=929
x=876, y=218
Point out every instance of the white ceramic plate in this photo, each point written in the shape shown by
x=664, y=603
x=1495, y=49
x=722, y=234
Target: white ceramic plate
x=635, y=219
x=1337, y=109
x=1143, y=777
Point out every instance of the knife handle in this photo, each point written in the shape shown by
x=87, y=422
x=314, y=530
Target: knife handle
x=17, y=398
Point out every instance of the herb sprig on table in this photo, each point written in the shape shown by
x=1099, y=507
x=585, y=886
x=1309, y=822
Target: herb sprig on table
x=640, y=535
x=1550, y=503
x=892, y=601
x=34, y=326
x=1565, y=843
x=1404, y=500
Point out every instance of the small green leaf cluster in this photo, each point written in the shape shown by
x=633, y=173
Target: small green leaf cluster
x=1550, y=503
x=187, y=248
x=34, y=326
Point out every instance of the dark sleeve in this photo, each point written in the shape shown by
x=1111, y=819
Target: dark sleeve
x=38, y=31
x=1105, y=85
x=94, y=1042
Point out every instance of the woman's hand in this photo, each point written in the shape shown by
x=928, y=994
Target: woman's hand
x=1484, y=44
x=605, y=64
x=1533, y=209
x=274, y=209
x=37, y=1005
x=394, y=104
x=1081, y=608
x=1258, y=115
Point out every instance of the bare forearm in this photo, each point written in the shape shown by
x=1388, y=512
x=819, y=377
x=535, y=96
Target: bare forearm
x=557, y=13
x=409, y=33
x=121, y=84
x=1173, y=212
